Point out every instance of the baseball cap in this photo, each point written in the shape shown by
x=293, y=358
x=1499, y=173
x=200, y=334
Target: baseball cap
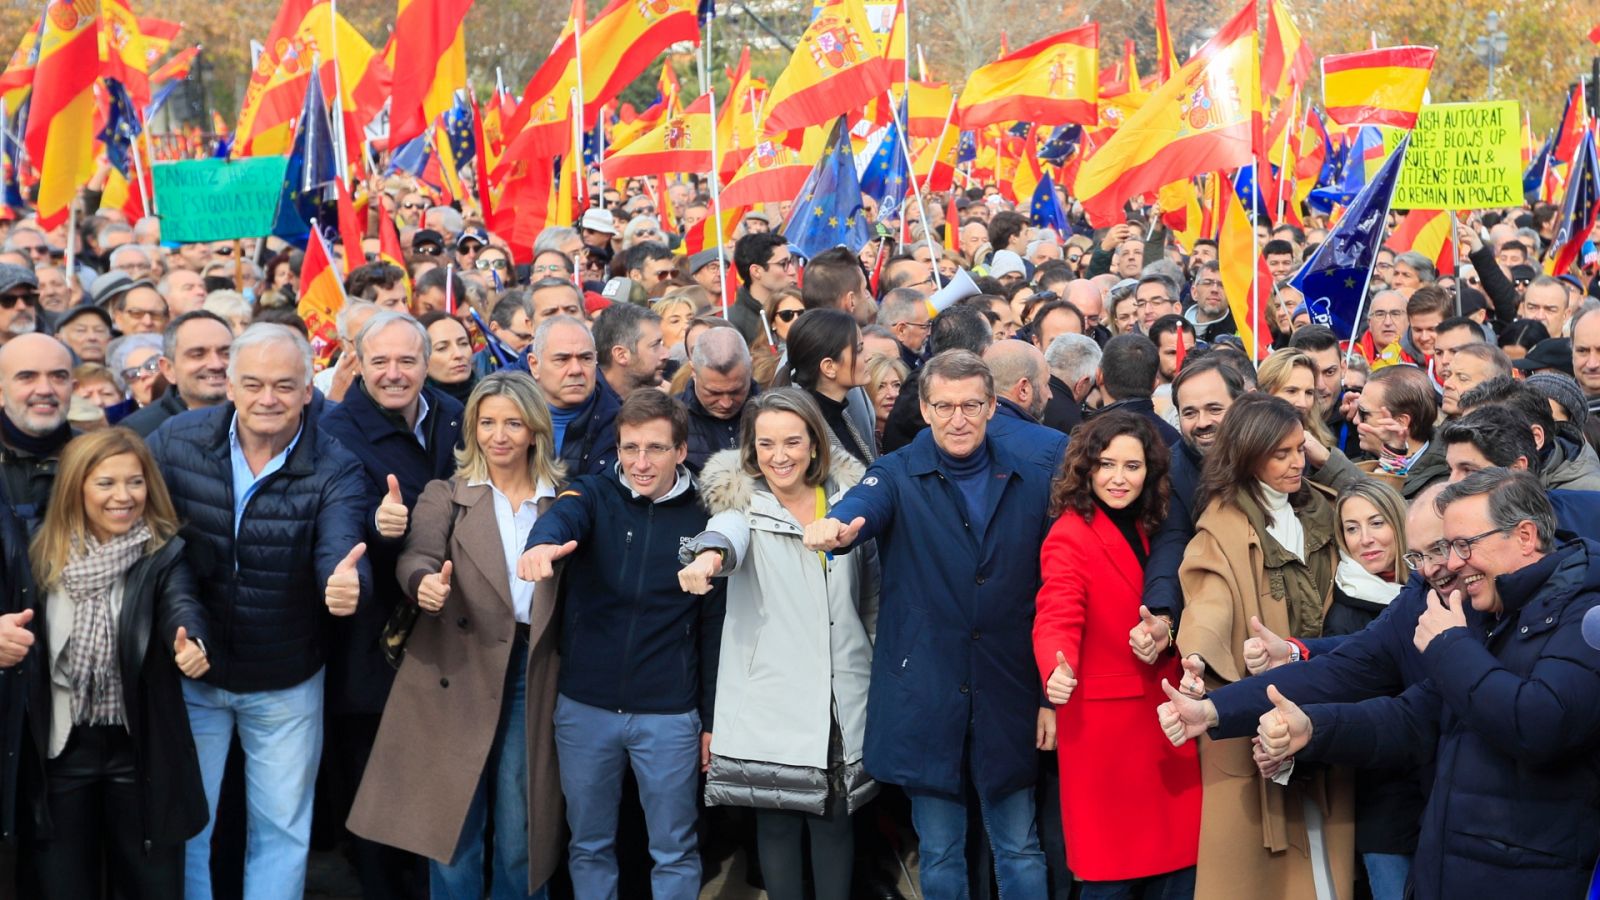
x=599, y=220
x=467, y=234
x=427, y=236
x=1550, y=353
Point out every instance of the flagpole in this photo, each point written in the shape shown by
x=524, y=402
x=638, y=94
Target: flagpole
x=1455, y=258
x=337, y=110
x=1283, y=158
x=1255, y=268
x=905, y=150
x=716, y=197
x=906, y=33
x=146, y=196
x=577, y=51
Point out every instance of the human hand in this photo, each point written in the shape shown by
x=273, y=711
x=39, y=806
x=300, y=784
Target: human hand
x=1438, y=618
x=1284, y=729
x=1044, y=733
x=343, y=590
x=1263, y=650
x=1184, y=718
x=434, y=588
x=392, y=516
x=191, y=659
x=15, y=638
x=1058, y=688
x=1193, y=682
x=827, y=535
x=1150, y=637
x=538, y=563
x=695, y=578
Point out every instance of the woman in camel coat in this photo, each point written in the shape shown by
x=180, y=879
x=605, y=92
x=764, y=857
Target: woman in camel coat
x=454, y=741
x=1263, y=547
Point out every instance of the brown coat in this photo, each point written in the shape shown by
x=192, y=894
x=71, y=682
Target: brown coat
x=1253, y=841
x=439, y=724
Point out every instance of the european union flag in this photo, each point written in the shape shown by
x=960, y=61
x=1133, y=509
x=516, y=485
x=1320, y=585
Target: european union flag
x=458, y=130
x=1244, y=185
x=1578, y=206
x=827, y=212
x=885, y=177
x=1334, y=280
x=1061, y=144
x=10, y=163
x=1534, y=177
x=411, y=157
x=1368, y=145
x=967, y=149
x=122, y=126
x=1045, y=211
x=308, y=178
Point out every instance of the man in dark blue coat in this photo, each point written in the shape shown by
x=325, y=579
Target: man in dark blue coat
x=272, y=509
x=959, y=519
x=404, y=432
x=1129, y=368
x=717, y=394
x=1022, y=388
x=583, y=407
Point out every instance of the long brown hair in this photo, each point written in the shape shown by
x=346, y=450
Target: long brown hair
x=65, y=524
x=1251, y=430
x=1073, y=488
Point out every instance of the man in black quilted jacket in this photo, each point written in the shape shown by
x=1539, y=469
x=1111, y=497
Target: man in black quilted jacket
x=273, y=518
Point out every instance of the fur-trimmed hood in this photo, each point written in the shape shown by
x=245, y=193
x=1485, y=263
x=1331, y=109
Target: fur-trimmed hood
x=725, y=485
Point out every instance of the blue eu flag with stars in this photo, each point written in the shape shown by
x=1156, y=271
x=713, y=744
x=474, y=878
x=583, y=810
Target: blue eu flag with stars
x=122, y=126
x=1045, y=211
x=458, y=129
x=1334, y=279
x=828, y=212
x=885, y=177
x=308, y=178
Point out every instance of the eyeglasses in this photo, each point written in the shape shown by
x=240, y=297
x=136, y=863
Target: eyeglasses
x=410, y=205
x=154, y=315
x=1208, y=283
x=789, y=315
x=143, y=370
x=39, y=250
x=1462, y=547
x=1386, y=314
x=648, y=451
x=427, y=249
x=916, y=324
x=9, y=301
x=787, y=263
x=469, y=247
x=970, y=409
x=496, y=263
x=666, y=274
x=1437, y=554
x=551, y=269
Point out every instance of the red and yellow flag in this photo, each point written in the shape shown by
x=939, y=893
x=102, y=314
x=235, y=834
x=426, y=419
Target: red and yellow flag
x=1377, y=87
x=681, y=143
x=1203, y=119
x=263, y=127
x=429, y=62
x=625, y=39
x=927, y=108
x=738, y=119
x=774, y=172
x=836, y=68
x=122, y=51
x=1166, y=59
x=1244, y=276
x=1055, y=81
x=1426, y=231
x=176, y=68
x=1286, y=60
x=321, y=298
x=934, y=161
x=17, y=79
x=60, y=135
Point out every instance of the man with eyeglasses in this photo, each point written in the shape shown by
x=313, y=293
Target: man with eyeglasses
x=706, y=270
x=1210, y=315
x=904, y=312
x=411, y=207
x=639, y=656
x=904, y=271
x=31, y=241
x=958, y=518
x=511, y=324
x=1386, y=324
x=598, y=227
x=765, y=265
x=140, y=310
x=551, y=264
x=19, y=302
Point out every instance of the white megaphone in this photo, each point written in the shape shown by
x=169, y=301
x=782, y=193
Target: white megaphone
x=954, y=291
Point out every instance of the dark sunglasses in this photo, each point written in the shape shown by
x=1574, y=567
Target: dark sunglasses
x=9, y=301
x=789, y=315
x=495, y=263
x=410, y=205
x=468, y=247
x=428, y=249
x=223, y=251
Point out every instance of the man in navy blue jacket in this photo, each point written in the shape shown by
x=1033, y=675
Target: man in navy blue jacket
x=638, y=654
x=954, y=702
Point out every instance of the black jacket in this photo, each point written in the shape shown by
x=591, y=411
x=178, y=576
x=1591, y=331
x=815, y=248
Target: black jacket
x=1062, y=412
x=358, y=674
x=708, y=434
x=746, y=315
x=1143, y=406
x=27, y=479
x=16, y=595
x=905, y=420
x=631, y=639
x=1162, y=593
x=158, y=596
x=145, y=421
x=264, y=589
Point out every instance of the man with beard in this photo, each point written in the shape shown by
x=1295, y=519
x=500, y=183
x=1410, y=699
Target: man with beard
x=194, y=360
x=35, y=386
x=1022, y=388
x=19, y=302
x=1210, y=314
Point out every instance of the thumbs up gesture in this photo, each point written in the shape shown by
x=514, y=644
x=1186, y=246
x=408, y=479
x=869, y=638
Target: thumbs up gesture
x=1263, y=650
x=434, y=588
x=695, y=578
x=1438, y=618
x=1058, y=688
x=188, y=654
x=1285, y=729
x=539, y=561
x=827, y=534
x=343, y=591
x=1151, y=636
x=1193, y=682
x=1184, y=718
x=392, y=516
x=15, y=638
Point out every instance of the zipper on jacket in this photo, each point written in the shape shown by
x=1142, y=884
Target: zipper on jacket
x=638, y=586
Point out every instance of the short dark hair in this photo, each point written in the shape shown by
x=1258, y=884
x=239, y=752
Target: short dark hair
x=618, y=324
x=755, y=250
x=169, y=335
x=378, y=274
x=1503, y=391
x=1314, y=339
x=829, y=276
x=639, y=254
x=1195, y=366
x=1205, y=242
x=1408, y=391
x=1501, y=434
x=1165, y=282
x=1128, y=367
x=1430, y=298
x=437, y=278
x=1054, y=272
x=1277, y=247
x=1051, y=306
x=960, y=328
x=506, y=308
x=1003, y=226
x=1514, y=497
x=1168, y=324
x=1454, y=322
x=649, y=404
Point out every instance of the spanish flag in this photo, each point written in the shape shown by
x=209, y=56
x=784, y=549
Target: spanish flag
x=283, y=58
x=61, y=135
x=625, y=39
x=1245, y=278
x=523, y=207
x=1426, y=231
x=122, y=51
x=17, y=79
x=681, y=143
x=321, y=297
x=389, y=246
x=927, y=108
x=1203, y=119
x=835, y=69
x=1166, y=60
x=1377, y=87
x=934, y=162
x=1055, y=81
x=774, y=172
x=738, y=119
x=263, y=127
x=1286, y=61
x=429, y=62
x=176, y=68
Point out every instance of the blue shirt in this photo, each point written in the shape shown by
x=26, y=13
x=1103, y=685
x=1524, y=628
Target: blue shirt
x=559, y=420
x=246, y=482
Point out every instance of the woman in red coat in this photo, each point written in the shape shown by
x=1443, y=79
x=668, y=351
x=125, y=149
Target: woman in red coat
x=1130, y=801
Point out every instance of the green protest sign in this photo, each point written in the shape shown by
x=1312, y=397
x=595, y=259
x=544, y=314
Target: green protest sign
x=1462, y=156
x=218, y=199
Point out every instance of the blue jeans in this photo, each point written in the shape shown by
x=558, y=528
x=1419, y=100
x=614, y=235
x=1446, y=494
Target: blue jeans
x=507, y=771
x=941, y=823
x=1387, y=874
x=1177, y=885
x=594, y=746
x=281, y=732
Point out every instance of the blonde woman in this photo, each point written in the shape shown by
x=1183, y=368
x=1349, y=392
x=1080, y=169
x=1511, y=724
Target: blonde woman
x=1291, y=375
x=467, y=725
x=885, y=376
x=676, y=310
x=119, y=622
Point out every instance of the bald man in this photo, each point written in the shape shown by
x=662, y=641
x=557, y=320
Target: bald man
x=35, y=390
x=1090, y=301
x=1022, y=388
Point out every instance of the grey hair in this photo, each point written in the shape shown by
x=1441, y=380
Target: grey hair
x=638, y=224
x=900, y=305
x=1514, y=498
x=126, y=249
x=390, y=317
x=553, y=239
x=954, y=365
x=541, y=335
x=149, y=226
x=1532, y=240
x=263, y=333
x=1588, y=306
x=117, y=360
x=1421, y=264
x=11, y=244
x=112, y=229
x=721, y=350
x=1073, y=357
x=450, y=221
x=226, y=303
x=347, y=312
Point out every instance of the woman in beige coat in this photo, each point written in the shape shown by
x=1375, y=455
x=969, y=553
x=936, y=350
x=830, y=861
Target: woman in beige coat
x=1263, y=549
x=466, y=733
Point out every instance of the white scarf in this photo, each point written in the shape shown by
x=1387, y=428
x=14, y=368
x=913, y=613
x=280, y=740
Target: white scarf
x=1285, y=528
x=1357, y=582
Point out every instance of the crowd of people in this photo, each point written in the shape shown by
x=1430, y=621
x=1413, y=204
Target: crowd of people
x=574, y=577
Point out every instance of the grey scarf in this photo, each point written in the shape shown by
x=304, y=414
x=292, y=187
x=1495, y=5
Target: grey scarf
x=90, y=655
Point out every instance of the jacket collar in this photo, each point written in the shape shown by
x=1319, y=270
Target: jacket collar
x=302, y=457
x=1005, y=407
x=691, y=401
x=1552, y=579
x=922, y=456
x=375, y=422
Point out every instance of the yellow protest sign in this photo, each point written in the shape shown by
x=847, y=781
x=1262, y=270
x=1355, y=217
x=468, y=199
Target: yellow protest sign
x=1462, y=156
